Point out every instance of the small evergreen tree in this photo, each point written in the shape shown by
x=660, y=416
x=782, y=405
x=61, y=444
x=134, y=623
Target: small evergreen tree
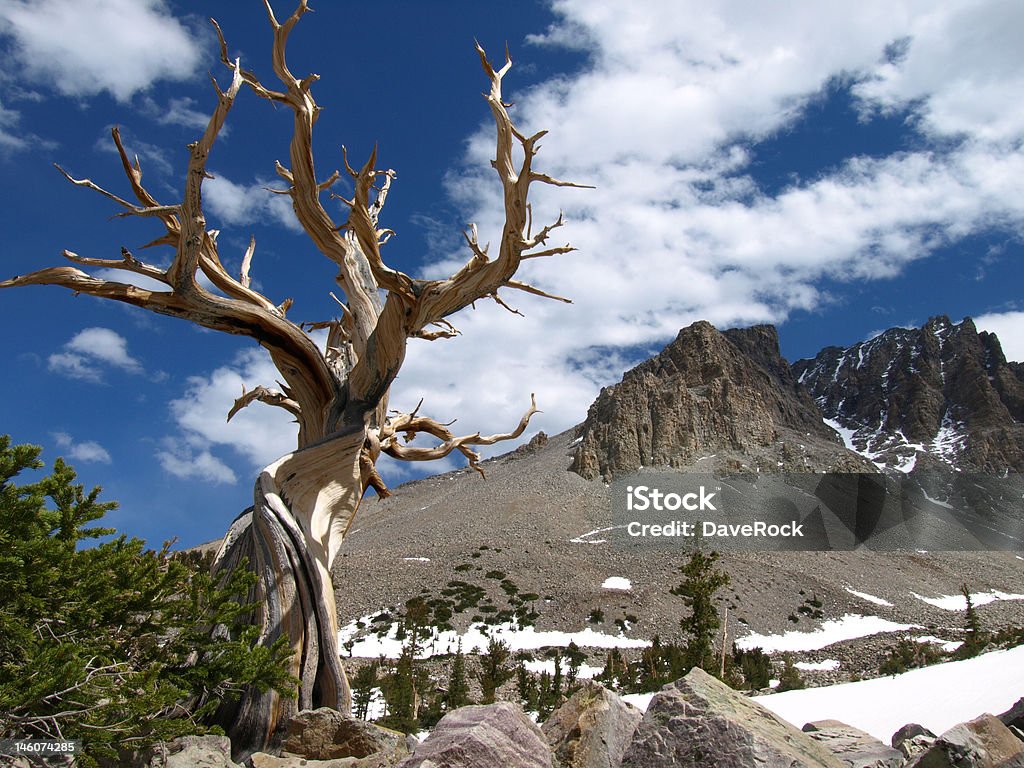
x=526, y=686
x=494, y=669
x=702, y=580
x=615, y=672
x=364, y=684
x=790, y=679
x=754, y=665
x=545, y=701
x=575, y=657
x=974, y=637
x=111, y=644
x=399, y=690
x=458, y=685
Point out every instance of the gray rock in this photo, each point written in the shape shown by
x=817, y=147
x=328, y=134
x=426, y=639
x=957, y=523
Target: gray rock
x=327, y=734
x=913, y=739
x=853, y=746
x=910, y=731
x=592, y=729
x=981, y=743
x=492, y=736
x=700, y=721
x=188, y=752
x=263, y=760
x=706, y=392
x=1014, y=716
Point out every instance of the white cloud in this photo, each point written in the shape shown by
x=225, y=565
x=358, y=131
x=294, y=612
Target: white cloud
x=190, y=463
x=83, y=47
x=259, y=433
x=184, y=111
x=88, y=451
x=1009, y=327
x=665, y=119
x=9, y=138
x=240, y=204
x=91, y=350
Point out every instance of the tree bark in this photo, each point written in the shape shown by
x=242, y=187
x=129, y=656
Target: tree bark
x=293, y=598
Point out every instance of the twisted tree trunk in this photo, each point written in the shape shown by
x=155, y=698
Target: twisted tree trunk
x=305, y=502
x=293, y=597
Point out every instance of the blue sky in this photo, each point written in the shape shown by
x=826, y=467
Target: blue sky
x=836, y=169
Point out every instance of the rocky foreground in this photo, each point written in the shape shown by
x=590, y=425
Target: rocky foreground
x=693, y=722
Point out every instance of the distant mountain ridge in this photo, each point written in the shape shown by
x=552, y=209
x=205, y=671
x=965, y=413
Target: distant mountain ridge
x=941, y=396
x=721, y=400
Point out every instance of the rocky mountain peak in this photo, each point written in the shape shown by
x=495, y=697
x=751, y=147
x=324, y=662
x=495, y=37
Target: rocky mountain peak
x=728, y=396
x=942, y=394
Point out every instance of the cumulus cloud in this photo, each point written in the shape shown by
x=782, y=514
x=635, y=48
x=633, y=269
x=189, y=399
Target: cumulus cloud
x=1009, y=327
x=87, y=451
x=241, y=204
x=83, y=47
x=9, y=138
x=184, y=111
x=259, y=433
x=193, y=463
x=90, y=352
x=666, y=118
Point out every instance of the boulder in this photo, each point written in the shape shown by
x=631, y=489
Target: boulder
x=377, y=760
x=264, y=760
x=187, y=752
x=1014, y=716
x=491, y=736
x=700, y=721
x=592, y=729
x=913, y=739
x=327, y=734
x=853, y=746
x=984, y=742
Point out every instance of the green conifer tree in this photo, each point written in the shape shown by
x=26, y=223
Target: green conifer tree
x=494, y=669
x=364, y=683
x=974, y=637
x=107, y=642
x=790, y=679
x=702, y=580
x=458, y=684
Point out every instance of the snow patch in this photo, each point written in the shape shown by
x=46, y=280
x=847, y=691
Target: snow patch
x=586, y=672
x=947, y=645
x=869, y=598
x=938, y=697
x=473, y=640
x=849, y=627
x=639, y=700
x=416, y=559
x=617, y=582
x=828, y=665
x=846, y=434
x=959, y=603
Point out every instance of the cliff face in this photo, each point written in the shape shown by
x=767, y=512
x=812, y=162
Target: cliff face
x=941, y=395
x=708, y=392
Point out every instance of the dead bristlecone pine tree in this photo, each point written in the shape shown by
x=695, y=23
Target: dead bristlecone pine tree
x=306, y=500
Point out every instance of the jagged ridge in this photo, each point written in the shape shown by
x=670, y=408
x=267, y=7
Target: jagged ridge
x=730, y=394
x=941, y=395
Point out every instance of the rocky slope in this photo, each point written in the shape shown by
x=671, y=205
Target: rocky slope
x=538, y=538
x=939, y=396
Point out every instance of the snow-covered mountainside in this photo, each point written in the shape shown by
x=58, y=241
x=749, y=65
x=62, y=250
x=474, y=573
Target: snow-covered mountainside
x=938, y=397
